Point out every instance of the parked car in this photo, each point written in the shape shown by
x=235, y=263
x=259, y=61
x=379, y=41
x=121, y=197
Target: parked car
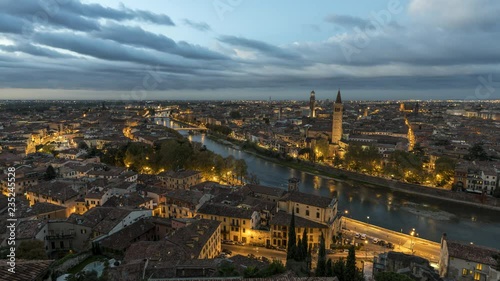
x=240, y=243
x=264, y=259
x=252, y=256
x=281, y=248
x=330, y=251
x=228, y=242
x=357, y=235
x=270, y=247
x=390, y=245
x=363, y=236
x=381, y=243
x=375, y=241
x=227, y=252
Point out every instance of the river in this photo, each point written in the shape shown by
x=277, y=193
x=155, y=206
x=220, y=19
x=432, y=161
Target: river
x=376, y=205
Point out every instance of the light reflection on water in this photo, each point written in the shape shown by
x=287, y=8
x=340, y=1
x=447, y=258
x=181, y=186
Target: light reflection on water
x=384, y=207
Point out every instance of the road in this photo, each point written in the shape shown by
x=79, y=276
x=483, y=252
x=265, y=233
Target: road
x=280, y=255
x=402, y=242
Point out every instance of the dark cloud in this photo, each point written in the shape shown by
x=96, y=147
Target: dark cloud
x=34, y=50
x=109, y=50
x=89, y=46
x=262, y=47
x=10, y=24
x=74, y=15
x=200, y=26
x=347, y=21
x=136, y=36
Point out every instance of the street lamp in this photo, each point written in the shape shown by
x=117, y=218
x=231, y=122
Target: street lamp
x=366, y=249
x=412, y=233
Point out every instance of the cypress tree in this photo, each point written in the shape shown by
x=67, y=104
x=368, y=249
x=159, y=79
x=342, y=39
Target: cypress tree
x=339, y=269
x=329, y=268
x=321, y=267
x=304, y=244
x=292, y=239
x=350, y=265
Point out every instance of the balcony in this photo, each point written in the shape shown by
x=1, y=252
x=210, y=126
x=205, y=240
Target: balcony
x=60, y=236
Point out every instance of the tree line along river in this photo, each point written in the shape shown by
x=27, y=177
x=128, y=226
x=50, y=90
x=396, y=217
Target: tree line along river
x=376, y=205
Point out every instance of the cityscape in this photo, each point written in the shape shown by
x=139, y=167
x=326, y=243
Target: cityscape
x=154, y=142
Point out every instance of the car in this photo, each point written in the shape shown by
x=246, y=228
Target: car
x=252, y=256
x=240, y=243
x=270, y=247
x=264, y=259
x=390, y=245
x=375, y=241
x=227, y=252
x=228, y=242
x=381, y=242
x=330, y=251
x=357, y=235
x=281, y=248
x=363, y=236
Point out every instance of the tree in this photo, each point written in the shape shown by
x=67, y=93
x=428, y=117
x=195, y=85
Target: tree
x=321, y=267
x=329, y=268
x=445, y=170
x=477, y=152
x=84, y=276
x=391, y=276
x=227, y=269
x=251, y=272
x=83, y=145
x=322, y=148
x=241, y=169
x=50, y=173
x=31, y=250
x=235, y=114
x=339, y=269
x=303, y=245
x=362, y=158
x=276, y=267
x=350, y=265
x=292, y=239
x=496, y=192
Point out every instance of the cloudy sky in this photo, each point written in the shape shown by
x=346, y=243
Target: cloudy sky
x=249, y=49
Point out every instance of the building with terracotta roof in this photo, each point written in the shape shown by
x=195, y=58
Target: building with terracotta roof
x=466, y=261
x=181, y=179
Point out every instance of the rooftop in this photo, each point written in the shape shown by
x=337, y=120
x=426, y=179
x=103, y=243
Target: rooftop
x=283, y=218
x=225, y=211
x=308, y=199
x=473, y=253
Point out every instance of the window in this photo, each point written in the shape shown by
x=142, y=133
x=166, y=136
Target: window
x=317, y=215
x=307, y=212
x=244, y=221
x=479, y=266
x=297, y=210
x=243, y=230
x=464, y=272
x=62, y=244
x=477, y=276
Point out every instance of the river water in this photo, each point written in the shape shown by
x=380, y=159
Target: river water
x=376, y=205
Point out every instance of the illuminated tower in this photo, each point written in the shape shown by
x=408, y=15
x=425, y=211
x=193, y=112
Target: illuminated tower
x=337, y=120
x=312, y=104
